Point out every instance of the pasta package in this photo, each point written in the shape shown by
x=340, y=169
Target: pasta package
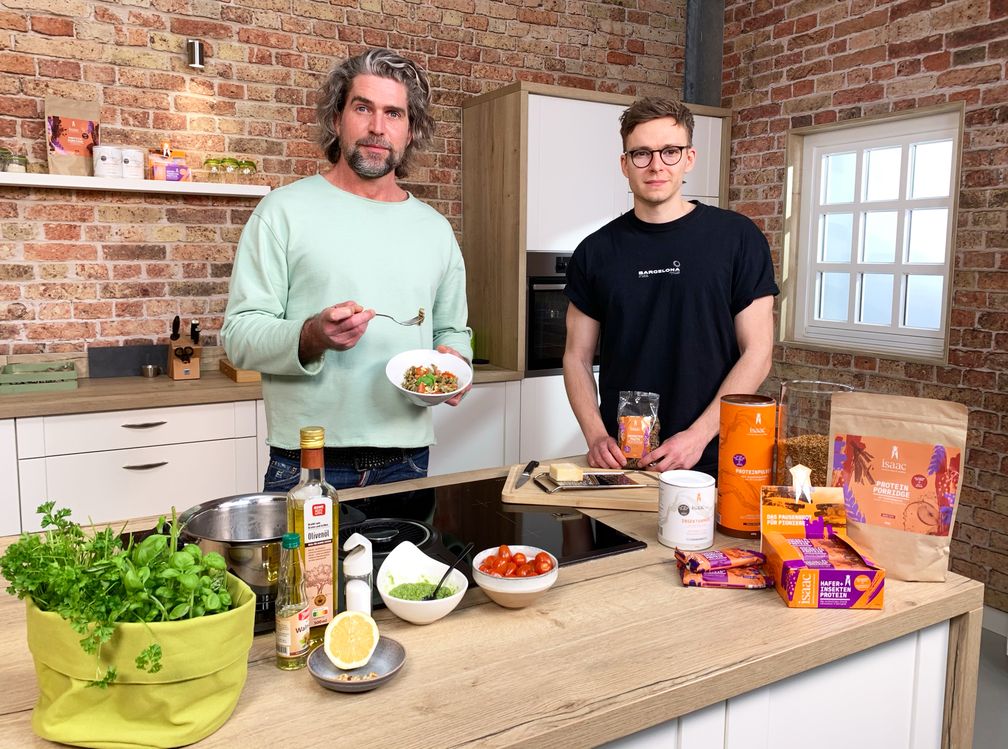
x=823, y=573
x=898, y=462
x=637, y=422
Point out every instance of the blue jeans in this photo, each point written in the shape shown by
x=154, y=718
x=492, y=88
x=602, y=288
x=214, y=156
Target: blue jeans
x=282, y=474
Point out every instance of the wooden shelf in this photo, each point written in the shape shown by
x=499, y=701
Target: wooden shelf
x=67, y=182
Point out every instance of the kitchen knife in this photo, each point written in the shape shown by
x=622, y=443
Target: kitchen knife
x=176, y=324
x=527, y=473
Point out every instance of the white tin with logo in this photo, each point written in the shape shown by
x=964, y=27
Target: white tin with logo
x=686, y=502
x=133, y=163
x=107, y=161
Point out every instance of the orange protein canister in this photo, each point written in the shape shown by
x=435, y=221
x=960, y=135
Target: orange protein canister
x=745, y=461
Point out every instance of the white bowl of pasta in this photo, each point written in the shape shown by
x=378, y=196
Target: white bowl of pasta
x=427, y=377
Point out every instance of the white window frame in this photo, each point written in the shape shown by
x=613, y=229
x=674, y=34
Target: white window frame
x=805, y=149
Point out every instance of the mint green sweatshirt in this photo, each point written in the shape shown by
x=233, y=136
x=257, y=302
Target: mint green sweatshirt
x=310, y=245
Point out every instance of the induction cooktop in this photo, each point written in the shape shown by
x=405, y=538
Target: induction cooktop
x=442, y=520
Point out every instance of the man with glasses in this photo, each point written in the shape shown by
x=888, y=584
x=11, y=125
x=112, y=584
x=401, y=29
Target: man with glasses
x=680, y=294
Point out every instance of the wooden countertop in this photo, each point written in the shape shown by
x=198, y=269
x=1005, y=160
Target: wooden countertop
x=617, y=645
x=122, y=393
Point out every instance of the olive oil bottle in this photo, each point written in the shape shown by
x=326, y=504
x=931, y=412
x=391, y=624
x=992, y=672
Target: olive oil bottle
x=312, y=513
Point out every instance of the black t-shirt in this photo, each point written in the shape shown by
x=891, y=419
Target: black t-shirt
x=666, y=297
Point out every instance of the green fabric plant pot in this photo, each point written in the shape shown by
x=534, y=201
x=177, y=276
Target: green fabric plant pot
x=205, y=662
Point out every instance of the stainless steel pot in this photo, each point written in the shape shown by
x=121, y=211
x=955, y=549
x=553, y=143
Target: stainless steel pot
x=245, y=529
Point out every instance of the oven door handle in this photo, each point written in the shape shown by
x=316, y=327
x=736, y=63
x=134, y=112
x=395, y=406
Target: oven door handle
x=548, y=286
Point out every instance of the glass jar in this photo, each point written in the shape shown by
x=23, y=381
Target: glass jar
x=212, y=168
x=803, y=428
x=229, y=167
x=5, y=157
x=17, y=163
x=247, y=170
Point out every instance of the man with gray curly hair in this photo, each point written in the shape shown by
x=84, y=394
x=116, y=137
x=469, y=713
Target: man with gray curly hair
x=353, y=234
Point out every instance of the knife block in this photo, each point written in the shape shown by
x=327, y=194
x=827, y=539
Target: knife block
x=178, y=369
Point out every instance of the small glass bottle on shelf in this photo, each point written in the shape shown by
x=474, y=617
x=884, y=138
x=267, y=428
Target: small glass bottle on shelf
x=212, y=170
x=247, y=172
x=293, y=615
x=229, y=169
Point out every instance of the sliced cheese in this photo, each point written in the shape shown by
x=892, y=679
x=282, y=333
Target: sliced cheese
x=566, y=472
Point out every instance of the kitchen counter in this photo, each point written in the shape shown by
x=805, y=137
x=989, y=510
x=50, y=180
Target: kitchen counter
x=616, y=646
x=123, y=393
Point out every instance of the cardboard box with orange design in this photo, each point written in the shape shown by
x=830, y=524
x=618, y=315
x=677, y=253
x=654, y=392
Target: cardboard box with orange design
x=823, y=573
x=813, y=562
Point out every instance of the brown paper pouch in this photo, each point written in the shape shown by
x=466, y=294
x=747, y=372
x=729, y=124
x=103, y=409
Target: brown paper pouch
x=899, y=461
x=71, y=135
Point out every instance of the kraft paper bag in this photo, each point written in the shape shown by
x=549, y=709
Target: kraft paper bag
x=899, y=461
x=205, y=662
x=72, y=132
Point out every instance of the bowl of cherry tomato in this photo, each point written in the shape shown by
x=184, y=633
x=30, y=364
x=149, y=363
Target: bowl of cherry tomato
x=514, y=576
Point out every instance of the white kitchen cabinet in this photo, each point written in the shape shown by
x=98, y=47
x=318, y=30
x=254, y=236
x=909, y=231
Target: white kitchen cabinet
x=703, y=181
x=262, y=448
x=479, y=433
x=111, y=465
x=892, y=695
x=10, y=510
x=548, y=426
x=575, y=184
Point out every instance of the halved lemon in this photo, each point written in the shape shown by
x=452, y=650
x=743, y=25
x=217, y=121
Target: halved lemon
x=350, y=639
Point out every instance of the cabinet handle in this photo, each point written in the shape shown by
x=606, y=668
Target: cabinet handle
x=548, y=287
x=144, y=425
x=146, y=466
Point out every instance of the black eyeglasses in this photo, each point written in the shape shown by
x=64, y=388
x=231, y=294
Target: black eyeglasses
x=641, y=157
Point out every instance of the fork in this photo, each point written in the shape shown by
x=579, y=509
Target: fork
x=412, y=321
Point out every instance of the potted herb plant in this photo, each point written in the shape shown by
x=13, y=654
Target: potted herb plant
x=142, y=644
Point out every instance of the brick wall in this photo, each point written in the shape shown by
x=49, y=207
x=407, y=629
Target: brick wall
x=103, y=268
x=792, y=63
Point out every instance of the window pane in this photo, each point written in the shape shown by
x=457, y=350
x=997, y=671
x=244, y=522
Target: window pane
x=923, y=302
x=883, y=174
x=879, y=237
x=833, y=290
x=876, y=299
x=927, y=235
x=932, y=169
x=838, y=178
x=835, y=231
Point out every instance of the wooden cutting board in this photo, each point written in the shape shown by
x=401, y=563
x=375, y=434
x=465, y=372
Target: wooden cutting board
x=530, y=493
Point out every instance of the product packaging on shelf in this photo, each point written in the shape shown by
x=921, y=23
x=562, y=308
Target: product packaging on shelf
x=169, y=168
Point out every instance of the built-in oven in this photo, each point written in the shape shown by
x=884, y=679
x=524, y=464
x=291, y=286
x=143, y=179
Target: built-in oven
x=546, y=318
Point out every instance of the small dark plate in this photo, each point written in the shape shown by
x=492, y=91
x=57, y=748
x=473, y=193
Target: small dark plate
x=386, y=661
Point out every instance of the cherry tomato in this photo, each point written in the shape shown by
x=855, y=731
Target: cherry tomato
x=509, y=570
x=543, y=563
x=504, y=552
x=525, y=571
x=490, y=561
x=501, y=565
x=518, y=558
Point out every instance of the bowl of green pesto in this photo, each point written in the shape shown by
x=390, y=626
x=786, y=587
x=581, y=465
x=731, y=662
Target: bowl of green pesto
x=407, y=575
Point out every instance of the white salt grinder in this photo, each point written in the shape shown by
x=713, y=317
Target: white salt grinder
x=358, y=571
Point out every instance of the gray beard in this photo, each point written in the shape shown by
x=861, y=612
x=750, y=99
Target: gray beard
x=367, y=168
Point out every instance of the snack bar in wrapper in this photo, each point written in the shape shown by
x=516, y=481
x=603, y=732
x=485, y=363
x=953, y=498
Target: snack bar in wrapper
x=752, y=578
x=718, y=559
